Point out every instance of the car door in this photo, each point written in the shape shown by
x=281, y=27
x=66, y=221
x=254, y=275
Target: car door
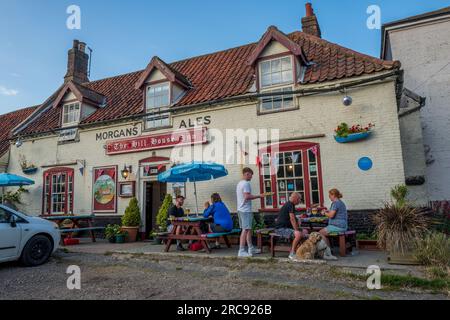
x=9, y=236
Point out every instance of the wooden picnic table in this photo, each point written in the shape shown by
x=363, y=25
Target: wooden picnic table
x=308, y=223
x=191, y=230
x=76, y=220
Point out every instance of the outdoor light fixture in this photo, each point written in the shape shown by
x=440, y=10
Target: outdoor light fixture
x=126, y=171
x=19, y=143
x=347, y=101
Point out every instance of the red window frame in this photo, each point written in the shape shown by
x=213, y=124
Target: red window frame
x=48, y=174
x=286, y=147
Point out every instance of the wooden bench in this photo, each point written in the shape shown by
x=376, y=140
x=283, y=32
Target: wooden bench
x=260, y=235
x=224, y=235
x=343, y=238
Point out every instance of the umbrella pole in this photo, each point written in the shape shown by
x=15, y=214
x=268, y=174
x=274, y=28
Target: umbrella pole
x=195, y=193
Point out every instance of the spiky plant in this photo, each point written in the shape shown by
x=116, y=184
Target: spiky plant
x=399, y=227
x=399, y=194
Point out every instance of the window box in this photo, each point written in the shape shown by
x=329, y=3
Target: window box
x=353, y=137
x=30, y=171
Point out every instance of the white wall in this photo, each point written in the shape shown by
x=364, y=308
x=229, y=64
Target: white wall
x=424, y=51
x=316, y=115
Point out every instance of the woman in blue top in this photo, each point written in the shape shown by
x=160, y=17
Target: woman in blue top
x=221, y=215
x=338, y=218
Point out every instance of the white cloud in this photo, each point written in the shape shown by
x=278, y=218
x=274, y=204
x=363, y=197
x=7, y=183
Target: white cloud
x=8, y=92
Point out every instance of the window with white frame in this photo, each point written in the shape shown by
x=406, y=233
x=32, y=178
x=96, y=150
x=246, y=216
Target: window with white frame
x=276, y=76
x=158, y=100
x=278, y=101
x=276, y=72
x=71, y=113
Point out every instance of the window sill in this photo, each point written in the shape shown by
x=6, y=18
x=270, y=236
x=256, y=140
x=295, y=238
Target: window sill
x=262, y=113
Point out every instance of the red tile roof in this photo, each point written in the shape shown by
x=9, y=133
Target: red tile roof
x=220, y=75
x=8, y=122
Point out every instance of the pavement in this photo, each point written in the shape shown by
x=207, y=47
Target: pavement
x=359, y=260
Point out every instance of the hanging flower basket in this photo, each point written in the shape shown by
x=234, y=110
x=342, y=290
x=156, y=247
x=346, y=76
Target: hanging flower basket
x=30, y=170
x=353, y=137
x=346, y=134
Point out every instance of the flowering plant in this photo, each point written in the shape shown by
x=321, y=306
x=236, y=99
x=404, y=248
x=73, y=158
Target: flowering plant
x=343, y=130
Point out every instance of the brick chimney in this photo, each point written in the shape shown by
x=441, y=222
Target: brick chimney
x=310, y=24
x=77, y=64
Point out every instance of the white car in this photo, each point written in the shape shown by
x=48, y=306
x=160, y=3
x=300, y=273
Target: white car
x=31, y=240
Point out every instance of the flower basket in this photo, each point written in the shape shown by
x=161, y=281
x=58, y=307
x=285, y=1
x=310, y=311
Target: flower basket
x=30, y=170
x=353, y=137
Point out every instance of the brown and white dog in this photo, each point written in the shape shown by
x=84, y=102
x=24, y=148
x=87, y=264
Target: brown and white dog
x=308, y=249
x=315, y=247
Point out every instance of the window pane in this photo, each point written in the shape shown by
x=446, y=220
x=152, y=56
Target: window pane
x=266, y=104
x=286, y=63
x=290, y=171
x=281, y=186
x=276, y=65
x=315, y=197
x=298, y=171
x=277, y=102
x=314, y=184
x=312, y=156
x=280, y=173
x=276, y=78
x=266, y=80
x=299, y=186
x=265, y=67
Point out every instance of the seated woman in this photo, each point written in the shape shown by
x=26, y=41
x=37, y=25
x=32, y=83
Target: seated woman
x=220, y=214
x=338, y=218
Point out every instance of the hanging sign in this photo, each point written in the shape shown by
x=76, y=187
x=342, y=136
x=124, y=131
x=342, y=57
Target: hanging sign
x=104, y=189
x=158, y=141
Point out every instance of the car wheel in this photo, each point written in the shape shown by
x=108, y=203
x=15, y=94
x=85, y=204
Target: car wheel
x=37, y=251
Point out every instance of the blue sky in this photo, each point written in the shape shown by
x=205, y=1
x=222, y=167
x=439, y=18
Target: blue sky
x=125, y=35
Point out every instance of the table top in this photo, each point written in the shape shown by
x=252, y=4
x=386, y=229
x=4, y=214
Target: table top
x=318, y=219
x=190, y=219
x=68, y=217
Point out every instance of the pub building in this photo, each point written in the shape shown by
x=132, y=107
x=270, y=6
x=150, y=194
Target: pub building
x=94, y=144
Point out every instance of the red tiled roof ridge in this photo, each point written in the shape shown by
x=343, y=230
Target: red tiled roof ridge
x=347, y=51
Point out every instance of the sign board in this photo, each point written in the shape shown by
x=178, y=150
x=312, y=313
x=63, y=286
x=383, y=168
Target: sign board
x=158, y=141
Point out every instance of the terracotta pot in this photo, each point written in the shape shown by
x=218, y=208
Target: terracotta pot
x=132, y=233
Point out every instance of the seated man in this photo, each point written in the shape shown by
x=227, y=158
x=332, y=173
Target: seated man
x=287, y=225
x=222, y=222
x=176, y=211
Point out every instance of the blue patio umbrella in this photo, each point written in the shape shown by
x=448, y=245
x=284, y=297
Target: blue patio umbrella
x=193, y=172
x=12, y=180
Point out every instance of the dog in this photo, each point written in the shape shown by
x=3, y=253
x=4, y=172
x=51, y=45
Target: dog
x=308, y=249
x=324, y=251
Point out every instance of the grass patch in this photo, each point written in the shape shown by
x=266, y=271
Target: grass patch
x=408, y=281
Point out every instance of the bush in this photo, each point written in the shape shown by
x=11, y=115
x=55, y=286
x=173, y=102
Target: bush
x=434, y=250
x=398, y=228
x=111, y=230
x=132, y=216
x=399, y=194
x=163, y=213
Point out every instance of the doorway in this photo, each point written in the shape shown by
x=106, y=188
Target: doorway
x=154, y=193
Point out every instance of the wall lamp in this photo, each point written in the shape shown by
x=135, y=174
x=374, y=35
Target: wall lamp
x=126, y=171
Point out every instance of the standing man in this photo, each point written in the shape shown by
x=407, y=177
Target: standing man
x=287, y=225
x=245, y=213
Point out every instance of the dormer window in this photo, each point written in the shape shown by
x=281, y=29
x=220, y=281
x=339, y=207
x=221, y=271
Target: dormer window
x=276, y=72
x=158, y=101
x=71, y=114
x=277, y=77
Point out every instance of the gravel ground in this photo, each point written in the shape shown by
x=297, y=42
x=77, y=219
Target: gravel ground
x=120, y=276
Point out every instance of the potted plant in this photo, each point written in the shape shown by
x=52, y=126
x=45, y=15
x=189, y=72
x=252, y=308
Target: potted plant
x=120, y=236
x=11, y=199
x=367, y=242
x=111, y=231
x=131, y=220
x=398, y=227
x=163, y=213
x=346, y=134
x=27, y=168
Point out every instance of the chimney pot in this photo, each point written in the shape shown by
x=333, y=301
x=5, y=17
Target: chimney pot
x=310, y=25
x=309, y=9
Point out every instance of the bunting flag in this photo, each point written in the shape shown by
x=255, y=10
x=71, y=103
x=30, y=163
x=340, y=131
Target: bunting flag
x=314, y=150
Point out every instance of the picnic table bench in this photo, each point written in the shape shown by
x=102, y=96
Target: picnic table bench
x=75, y=224
x=191, y=230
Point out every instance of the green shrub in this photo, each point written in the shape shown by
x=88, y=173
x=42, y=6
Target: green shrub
x=111, y=230
x=434, y=250
x=132, y=216
x=399, y=194
x=163, y=213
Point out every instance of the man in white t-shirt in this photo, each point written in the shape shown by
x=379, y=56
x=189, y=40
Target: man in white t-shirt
x=245, y=213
